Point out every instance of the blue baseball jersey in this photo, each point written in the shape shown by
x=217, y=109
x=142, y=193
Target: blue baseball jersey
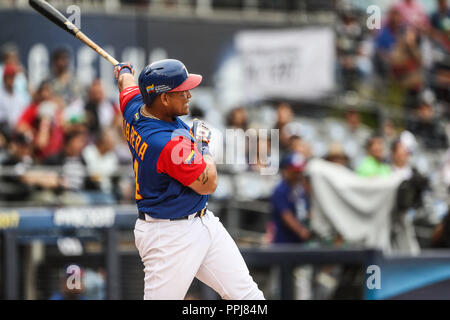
x=166, y=161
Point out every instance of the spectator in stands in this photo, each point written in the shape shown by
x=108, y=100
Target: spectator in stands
x=413, y=14
x=349, y=36
x=386, y=40
x=10, y=56
x=406, y=66
x=291, y=203
x=439, y=19
x=97, y=111
x=336, y=154
x=299, y=145
x=400, y=160
x=74, y=172
x=425, y=126
x=238, y=119
x=398, y=58
x=17, y=161
x=410, y=192
x=101, y=161
x=373, y=164
x=42, y=121
x=440, y=33
x=356, y=130
x=389, y=131
x=11, y=103
x=64, y=84
x=22, y=181
x=262, y=157
x=285, y=115
x=440, y=80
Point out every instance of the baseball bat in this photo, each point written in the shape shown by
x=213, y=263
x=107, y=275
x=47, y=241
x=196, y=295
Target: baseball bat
x=51, y=13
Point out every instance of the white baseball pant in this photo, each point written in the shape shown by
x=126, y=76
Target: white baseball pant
x=174, y=252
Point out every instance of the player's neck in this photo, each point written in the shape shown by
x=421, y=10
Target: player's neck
x=154, y=113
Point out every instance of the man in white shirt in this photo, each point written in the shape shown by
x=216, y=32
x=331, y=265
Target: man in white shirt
x=11, y=104
x=400, y=160
x=102, y=163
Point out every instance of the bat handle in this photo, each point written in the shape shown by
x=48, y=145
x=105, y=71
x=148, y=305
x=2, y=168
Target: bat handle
x=80, y=35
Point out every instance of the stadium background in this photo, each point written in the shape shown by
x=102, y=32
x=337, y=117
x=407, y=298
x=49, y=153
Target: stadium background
x=309, y=68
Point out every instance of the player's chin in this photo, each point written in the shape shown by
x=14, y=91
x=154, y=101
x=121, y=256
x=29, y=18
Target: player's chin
x=185, y=110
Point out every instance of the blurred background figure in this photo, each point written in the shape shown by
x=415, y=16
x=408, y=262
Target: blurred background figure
x=18, y=160
x=290, y=203
x=373, y=164
x=285, y=115
x=401, y=166
x=413, y=14
x=238, y=119
x=262, y=159
x=73, y=169
x=400, y=160
x=101, y=161
x=406, y=67
x=426, y=127
x=354, y=64
x=439, y=18
x=386, y=39
x=11, y=102
x=42, y=121
x=389, y=131
x=356, y=130
x=440, y=33
x=298, y=145
x=96, y=111
x=10, y=56
x=336, y=154
x=63, y=82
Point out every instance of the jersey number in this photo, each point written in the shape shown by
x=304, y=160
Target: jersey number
x=136, y=170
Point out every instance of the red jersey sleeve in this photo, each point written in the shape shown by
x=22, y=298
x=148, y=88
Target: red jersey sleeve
x=126, y=95
x=181, y=160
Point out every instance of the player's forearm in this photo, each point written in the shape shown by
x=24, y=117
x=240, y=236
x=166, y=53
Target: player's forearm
x=206, y=183
x=126, y=80
x=210, y=177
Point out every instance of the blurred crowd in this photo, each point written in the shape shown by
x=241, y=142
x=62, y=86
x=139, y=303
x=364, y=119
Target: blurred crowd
x=62, y=143
x=406, y=66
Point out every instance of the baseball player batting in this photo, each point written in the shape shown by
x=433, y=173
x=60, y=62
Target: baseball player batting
x=178, y=238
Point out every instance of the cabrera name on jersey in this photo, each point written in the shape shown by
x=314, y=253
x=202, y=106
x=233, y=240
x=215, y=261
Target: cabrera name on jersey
x=164, y=163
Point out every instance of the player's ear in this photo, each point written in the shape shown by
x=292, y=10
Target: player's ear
x=165, y=99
